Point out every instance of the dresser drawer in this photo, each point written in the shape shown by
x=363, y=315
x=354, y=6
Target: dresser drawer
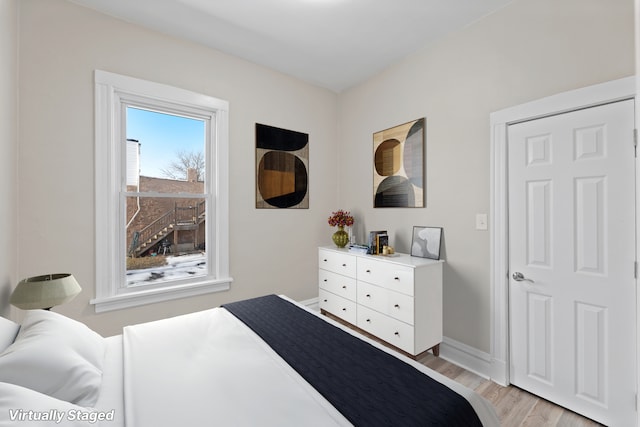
x=337, y=284
x=390, y=330
x=394, y=304
x=389, y=275
x=338, y=306
x=396, y=299
x=344, y=264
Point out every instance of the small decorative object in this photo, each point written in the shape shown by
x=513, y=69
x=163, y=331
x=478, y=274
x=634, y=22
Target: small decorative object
x=426, y=242
x=388, y=250
x=398, y=170
x=340, y=219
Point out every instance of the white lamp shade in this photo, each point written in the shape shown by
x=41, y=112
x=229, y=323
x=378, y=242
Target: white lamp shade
x=45, y=291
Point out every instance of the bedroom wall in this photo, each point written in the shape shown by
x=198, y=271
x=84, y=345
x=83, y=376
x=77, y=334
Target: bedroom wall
x=61, y=44
x=527, y=50
x=8, y=147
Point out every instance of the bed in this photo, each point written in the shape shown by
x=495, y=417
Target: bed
x=267, y=361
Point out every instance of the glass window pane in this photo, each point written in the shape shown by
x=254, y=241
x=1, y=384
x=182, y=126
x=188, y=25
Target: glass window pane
x=166, y=239
x=165, y=153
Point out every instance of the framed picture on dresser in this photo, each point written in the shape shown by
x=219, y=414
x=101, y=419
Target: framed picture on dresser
x=426, y=242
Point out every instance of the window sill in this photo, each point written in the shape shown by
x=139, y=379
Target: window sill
x=134, y=299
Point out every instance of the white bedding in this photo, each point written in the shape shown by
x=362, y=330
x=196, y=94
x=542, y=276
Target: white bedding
x=26, y=407
x=111, y=397
x=200, y=369
x=208, y=367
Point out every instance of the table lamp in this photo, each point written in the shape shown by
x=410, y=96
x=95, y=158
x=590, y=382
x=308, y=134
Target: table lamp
x=45, y=291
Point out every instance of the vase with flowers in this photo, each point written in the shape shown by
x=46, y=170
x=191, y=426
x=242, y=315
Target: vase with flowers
x=340, y=219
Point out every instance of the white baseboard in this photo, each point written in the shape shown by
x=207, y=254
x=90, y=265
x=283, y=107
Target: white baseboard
x=312, y=303
x=467, y=357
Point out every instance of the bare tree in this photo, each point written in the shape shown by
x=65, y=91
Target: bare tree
x=185, y=160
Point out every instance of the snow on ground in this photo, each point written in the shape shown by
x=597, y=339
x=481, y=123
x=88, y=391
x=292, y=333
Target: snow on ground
x=178, y=267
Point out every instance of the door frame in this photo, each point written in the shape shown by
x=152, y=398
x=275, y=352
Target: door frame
x=616, y=90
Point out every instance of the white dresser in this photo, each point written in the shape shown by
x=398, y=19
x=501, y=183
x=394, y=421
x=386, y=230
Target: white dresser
x=395, y=298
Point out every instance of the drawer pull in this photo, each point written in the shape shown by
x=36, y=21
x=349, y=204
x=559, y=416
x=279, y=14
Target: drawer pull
x=325, y=280
x=368, y=295
x=396, y=334
x=368, y=320
x=344, y=286
x=344, y=309
x=344, y=265
x=325, y=300
x=368, y=271
x=396, y=278
x=396, y=306
x=325, y=260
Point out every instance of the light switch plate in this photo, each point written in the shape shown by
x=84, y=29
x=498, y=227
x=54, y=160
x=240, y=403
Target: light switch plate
x=481, y=221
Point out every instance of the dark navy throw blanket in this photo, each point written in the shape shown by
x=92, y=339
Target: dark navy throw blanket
x=367, y=385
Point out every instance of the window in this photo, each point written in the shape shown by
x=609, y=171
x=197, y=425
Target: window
x=161, y=192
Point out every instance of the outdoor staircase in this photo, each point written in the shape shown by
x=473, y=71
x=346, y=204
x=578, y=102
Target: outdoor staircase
x=153, y=240
x=175, y=219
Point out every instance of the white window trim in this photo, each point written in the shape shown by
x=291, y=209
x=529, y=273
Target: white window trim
x=110, y=88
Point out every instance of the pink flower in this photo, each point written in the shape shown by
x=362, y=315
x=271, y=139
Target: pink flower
x=340, y=218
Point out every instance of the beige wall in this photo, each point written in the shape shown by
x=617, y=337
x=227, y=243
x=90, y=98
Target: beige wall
x=61, y=44
x=528, y=50
x=8, y=146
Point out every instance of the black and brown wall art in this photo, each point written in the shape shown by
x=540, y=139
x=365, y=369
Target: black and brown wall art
x=282, y=168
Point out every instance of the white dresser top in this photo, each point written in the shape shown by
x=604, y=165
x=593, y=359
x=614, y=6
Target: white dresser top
x=396, y=258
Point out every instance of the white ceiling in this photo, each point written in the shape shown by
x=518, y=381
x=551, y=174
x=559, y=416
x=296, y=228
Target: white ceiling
x=331, y=43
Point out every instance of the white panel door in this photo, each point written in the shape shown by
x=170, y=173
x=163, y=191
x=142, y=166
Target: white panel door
x=572, y=259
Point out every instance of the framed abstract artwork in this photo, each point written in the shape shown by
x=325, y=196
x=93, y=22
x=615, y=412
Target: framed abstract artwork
x=426, y=242
x=282, y=168
x=398, y=172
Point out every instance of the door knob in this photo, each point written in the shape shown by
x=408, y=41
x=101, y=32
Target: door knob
x=519, y=277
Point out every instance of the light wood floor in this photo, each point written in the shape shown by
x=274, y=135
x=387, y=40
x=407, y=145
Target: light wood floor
x=515, y=407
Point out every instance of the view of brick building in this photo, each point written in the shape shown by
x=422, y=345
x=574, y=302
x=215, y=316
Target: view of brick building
x=165, y=224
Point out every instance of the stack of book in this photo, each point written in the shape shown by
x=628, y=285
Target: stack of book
x=359, y=249
x=378, y=240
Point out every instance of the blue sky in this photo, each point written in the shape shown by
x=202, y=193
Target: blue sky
x=161, y=137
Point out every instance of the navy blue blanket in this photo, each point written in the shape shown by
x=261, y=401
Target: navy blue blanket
x=367, y=385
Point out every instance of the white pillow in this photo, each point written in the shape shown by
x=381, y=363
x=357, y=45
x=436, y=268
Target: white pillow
x=8, y=332
x=56, y=356
x=21, y=406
